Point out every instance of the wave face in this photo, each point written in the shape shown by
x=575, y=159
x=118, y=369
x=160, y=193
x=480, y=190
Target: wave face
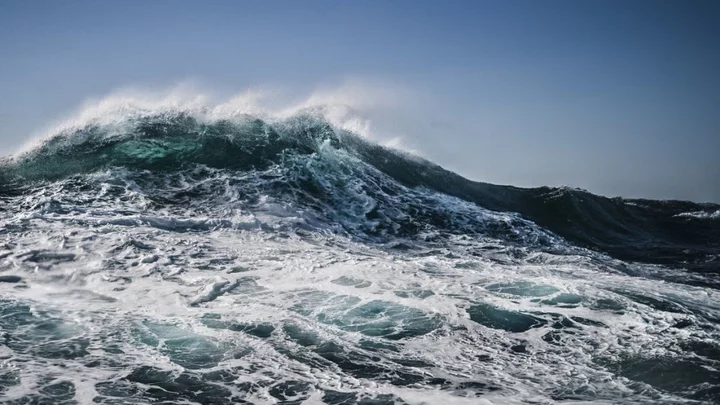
x=166, y=257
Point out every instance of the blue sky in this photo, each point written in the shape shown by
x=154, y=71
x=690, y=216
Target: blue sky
x=618, y=97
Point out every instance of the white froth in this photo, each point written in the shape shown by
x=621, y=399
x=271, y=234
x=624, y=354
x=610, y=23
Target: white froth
x=105, y=270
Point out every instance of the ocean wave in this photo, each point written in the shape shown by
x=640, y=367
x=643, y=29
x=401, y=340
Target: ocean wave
x=184, y=254
x=307, y=161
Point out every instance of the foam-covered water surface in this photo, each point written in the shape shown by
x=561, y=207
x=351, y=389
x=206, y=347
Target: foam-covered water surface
x=175, y=260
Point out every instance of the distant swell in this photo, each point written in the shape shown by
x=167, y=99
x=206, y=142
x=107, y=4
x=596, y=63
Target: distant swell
x=284, y=156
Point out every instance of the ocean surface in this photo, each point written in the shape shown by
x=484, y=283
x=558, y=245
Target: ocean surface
x=175, y=257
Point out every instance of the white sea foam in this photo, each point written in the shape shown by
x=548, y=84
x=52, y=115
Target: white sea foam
x=701, y=214
x=182, y=295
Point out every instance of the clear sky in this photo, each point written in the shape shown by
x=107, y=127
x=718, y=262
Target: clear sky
x=618, y=97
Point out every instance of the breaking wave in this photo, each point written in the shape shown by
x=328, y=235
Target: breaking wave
x=180, y=255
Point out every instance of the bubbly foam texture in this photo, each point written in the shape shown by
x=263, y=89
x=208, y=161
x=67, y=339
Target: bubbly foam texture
x=122, y=300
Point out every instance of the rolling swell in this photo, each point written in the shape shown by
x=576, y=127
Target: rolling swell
x=647, y=231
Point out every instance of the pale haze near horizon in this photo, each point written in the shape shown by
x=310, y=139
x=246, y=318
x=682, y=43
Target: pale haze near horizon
x=620, y=98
